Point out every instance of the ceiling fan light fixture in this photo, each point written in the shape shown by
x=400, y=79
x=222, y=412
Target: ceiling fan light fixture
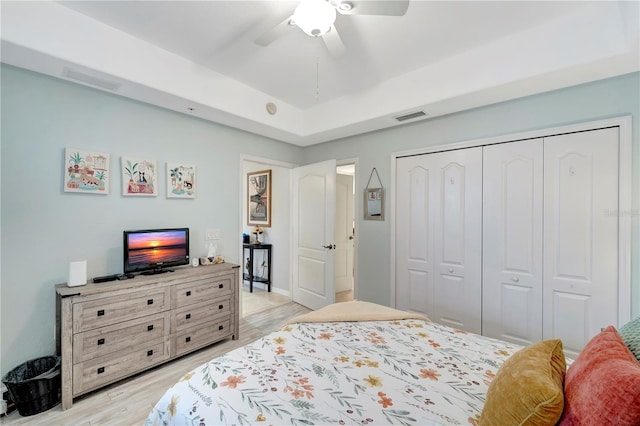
x=345, y=6
x=314, y=17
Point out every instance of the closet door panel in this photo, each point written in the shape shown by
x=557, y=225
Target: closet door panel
x=580, y=236
x=458, y=239
x=512, y=241
x=414, y=262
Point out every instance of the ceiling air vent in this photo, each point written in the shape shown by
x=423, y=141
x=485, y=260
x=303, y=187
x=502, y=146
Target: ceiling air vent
x=89, y=79
x=411, y=116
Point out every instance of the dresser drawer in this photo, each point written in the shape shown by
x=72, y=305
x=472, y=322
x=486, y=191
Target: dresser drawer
x=199, y=336
x=95, y=373
x=191, y=315
x=123, y=337
x=200, y=291
x=111, y=310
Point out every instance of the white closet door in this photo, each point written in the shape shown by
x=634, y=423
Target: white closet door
x=438, y=237
x=414, y=230
x=512, y=241
x=580, y=236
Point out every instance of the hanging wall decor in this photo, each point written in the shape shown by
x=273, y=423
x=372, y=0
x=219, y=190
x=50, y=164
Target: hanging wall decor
x=139, y=177
x=374, y=199
x=259, y=198
x=181, y=180
x=86, y=172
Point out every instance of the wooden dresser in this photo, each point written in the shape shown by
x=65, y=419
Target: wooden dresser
x=111, y=330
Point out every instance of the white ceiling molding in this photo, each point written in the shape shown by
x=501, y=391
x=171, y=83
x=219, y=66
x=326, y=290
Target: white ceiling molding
x=593, y=43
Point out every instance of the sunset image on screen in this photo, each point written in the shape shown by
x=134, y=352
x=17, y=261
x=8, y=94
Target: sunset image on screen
x=157, y=247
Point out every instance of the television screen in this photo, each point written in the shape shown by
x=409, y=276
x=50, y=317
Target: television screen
x=155, y=250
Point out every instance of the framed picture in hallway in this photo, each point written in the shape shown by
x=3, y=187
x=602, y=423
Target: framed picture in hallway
x=259, y=198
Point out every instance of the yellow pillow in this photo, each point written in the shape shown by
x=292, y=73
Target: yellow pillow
x=528, y=388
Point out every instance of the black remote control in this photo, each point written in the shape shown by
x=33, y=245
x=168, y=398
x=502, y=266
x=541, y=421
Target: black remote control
x=106, y=278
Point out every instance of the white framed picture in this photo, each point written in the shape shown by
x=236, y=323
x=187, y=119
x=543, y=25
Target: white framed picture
x=139, y=177
x=86, y=172
x=181, y=180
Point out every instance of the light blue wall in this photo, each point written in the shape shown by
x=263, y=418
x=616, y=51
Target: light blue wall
x=598, y=100
x=44, y=227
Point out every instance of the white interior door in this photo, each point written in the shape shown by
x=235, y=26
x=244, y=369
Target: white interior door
x=512, y=241
x=313, y=217
x=438, y=237
x=580, y=293
x=344, y=233
x=458, y=240
x=414, y=229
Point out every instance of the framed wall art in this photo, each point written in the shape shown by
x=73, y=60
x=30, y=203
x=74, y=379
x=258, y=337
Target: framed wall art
x=181, y=180
x=259, y=198
x=374, y=199
x=139, y=177
x=86, y=172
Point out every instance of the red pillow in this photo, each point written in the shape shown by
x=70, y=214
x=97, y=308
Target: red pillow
x=602, y=386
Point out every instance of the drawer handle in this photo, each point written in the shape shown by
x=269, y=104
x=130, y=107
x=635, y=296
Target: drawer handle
x=101, y=312
x=189, y=293
x=188, y=316
x=220, y=285
x=150, y=327
x=220, y=306
x=150, y=352
x=100, y=341
x=100, y=370
x=149, y=301
x=220, y=327
x=188, y=339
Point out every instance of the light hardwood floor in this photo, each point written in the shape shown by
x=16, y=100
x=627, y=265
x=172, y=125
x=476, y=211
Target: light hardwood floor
x=129, y=402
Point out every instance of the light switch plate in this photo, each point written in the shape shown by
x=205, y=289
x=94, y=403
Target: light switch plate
x=212, y=234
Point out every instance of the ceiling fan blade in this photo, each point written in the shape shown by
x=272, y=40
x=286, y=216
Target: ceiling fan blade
x=373, y=7
x=334, y=43
x=276, y=32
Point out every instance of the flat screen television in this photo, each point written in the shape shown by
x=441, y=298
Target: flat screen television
x=153, y=251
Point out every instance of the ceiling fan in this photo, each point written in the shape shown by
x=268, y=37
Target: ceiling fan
x=316, y=18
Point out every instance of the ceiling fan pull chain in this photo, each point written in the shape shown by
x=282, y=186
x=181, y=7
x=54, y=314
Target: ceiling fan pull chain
x=317, y=77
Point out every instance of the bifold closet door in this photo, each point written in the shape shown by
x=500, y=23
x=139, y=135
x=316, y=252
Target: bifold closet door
x=512, y=241
x=580, y=293
x=438, y=236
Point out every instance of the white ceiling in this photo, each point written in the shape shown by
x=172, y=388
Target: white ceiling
x=199, y=58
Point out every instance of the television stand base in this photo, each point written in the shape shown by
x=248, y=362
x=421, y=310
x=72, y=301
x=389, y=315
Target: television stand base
x=157, y=271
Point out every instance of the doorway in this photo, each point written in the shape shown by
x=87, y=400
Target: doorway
x=345, y=232
x=279, y=234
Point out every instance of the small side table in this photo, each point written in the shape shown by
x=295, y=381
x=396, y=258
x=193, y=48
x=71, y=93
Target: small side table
x=248, y=274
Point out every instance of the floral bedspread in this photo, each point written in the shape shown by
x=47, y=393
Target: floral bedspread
x=409, y=372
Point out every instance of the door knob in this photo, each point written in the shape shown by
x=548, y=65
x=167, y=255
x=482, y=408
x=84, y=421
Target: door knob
x=350, y=237
x=329, y=246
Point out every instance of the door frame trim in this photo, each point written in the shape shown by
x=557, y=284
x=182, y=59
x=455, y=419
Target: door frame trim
x=356, y=215
x=625, y=188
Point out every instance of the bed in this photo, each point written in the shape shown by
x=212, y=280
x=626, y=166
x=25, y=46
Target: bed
x=350, y=363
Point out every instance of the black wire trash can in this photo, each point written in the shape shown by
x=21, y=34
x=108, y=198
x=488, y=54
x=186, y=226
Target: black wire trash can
x=34, y=386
